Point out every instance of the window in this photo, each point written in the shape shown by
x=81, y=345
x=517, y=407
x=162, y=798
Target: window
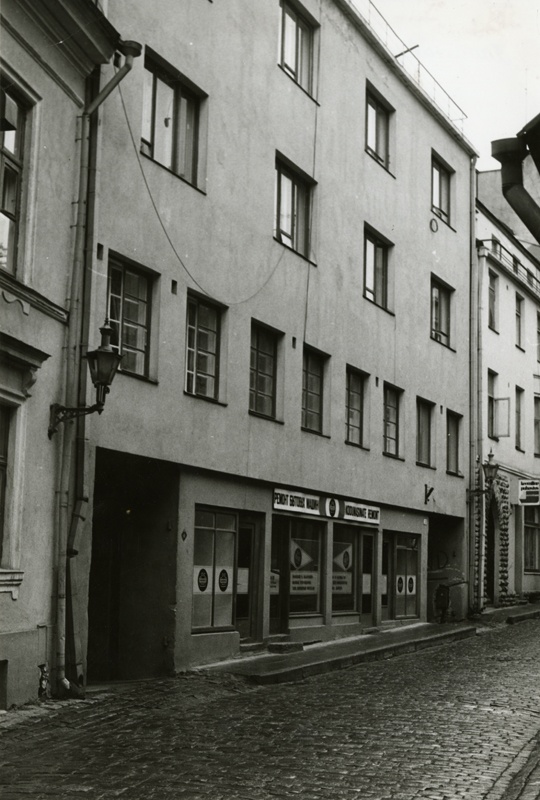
x=440, y=312
x=538, y=336
x=496, y=247
x=4, y=431
x=377, y=129
x=423, y=432
x=354, y=407
x=213, y=569
x=312, y=391
x=129, y=294
x=262, y=372
x=292, y=209
x=519, y=320
x=11, y=152
x=518, y=420
x=391, y=421
x=537, y=426
x=440, y=190
x=492, y=301
x=202, y=348
x=532, y=539
x=491, y=416
x=375, y=269
x=170, y=126
x=296, y=46
x=452, y=442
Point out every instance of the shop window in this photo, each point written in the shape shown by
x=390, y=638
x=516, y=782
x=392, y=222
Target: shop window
x=352, y=571
x=305, y=567
x=170, y=127
x=213, y=570
x=202, y=348
x=11, y=167
x=532, y=539
x=129, y=304
x=296, y=46
x=262, y=371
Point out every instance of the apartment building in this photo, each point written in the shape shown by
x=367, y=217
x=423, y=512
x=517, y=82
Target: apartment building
x=507, y=535
x=279, y=232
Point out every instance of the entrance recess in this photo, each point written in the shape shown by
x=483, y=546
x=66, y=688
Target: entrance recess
x=399, y=592
x=132, y=593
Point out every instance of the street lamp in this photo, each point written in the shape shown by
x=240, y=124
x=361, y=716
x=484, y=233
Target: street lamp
x=490, y=469
x=103, y=364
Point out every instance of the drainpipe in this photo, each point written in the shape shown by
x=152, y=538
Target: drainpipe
x=475, y=360
x=510, y=153
x=71, y=487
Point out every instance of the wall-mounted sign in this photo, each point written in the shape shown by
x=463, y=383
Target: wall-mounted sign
x=529, y=493
x=325, y=506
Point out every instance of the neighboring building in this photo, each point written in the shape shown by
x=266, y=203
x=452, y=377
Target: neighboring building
x=282, y=244
x=49, y=50
x=506, y=545
x=279, y=228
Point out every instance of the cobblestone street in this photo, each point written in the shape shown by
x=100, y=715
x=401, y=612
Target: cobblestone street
x=456, y=721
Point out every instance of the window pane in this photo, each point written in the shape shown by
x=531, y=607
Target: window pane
x=305, y=559
x=344, y=569
x=187, y=124
x=148, y=92
x=164, y=124
x=371, y=126
x=289, y=41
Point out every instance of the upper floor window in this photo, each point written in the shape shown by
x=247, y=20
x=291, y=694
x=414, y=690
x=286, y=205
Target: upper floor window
x=170, y=128
x=452, y=442
x=296, y=46
x=354, y=407
x=537, y=425
x=262, y=371
x=491, y=407
x=11, y=164
x=4, y=431
x=376, y=269
x=531, y=543
x=440, y=189
x=129, y=303
x=423, y=432
x=377, y=128
x=492, y=301
x=312, y=391
x=440, y=312
x=538, y=336
x=391, y=401
x=519, y=320
x=519, y=416
x=292, y=208
x=202, y=348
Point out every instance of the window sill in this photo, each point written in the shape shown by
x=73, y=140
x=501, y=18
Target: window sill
x=138, y=377
x=266, y=417
x=10, y=581
x=440, y=217
x=455, y=474
x=426, y=466
x=297, y=252
x=224, y=629
x=493, y=438
x=358, y=446
x=394, y=457
x=520, y=449
x=206, y=399
x=383, y=308
x=519, y=347
x=315, y=433
x=491, y=328
x=290, y=77
x=339, y=614
x=172, y=172
x=443, y=344
x=378, y=161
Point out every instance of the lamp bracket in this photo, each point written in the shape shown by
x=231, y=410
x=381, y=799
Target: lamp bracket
x=61, y=414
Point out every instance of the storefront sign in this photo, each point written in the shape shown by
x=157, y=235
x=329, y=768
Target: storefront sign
x=324, y=506
x=529, y=493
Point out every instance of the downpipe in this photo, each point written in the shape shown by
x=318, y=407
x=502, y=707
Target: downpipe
x=71, y=486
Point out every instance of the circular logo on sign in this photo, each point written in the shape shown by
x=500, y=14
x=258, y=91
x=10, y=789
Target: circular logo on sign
x=411, y=585
x=297, y=557
x=332, y=507
x=202, y=580
x=400, y=583
x=346, y=559
x=223, y=580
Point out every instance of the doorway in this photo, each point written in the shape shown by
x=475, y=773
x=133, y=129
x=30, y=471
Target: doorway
x=490, y=557
x=400, y=566
x=132, y=589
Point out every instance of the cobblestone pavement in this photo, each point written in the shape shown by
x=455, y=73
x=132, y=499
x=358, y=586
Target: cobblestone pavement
x=455, y=721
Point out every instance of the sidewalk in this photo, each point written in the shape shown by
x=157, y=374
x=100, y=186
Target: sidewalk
x=268, y=668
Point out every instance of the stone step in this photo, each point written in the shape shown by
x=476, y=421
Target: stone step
x=252, y=647
x=284, y=647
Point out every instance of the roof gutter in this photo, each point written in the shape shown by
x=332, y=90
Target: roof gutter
x=511, y=153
